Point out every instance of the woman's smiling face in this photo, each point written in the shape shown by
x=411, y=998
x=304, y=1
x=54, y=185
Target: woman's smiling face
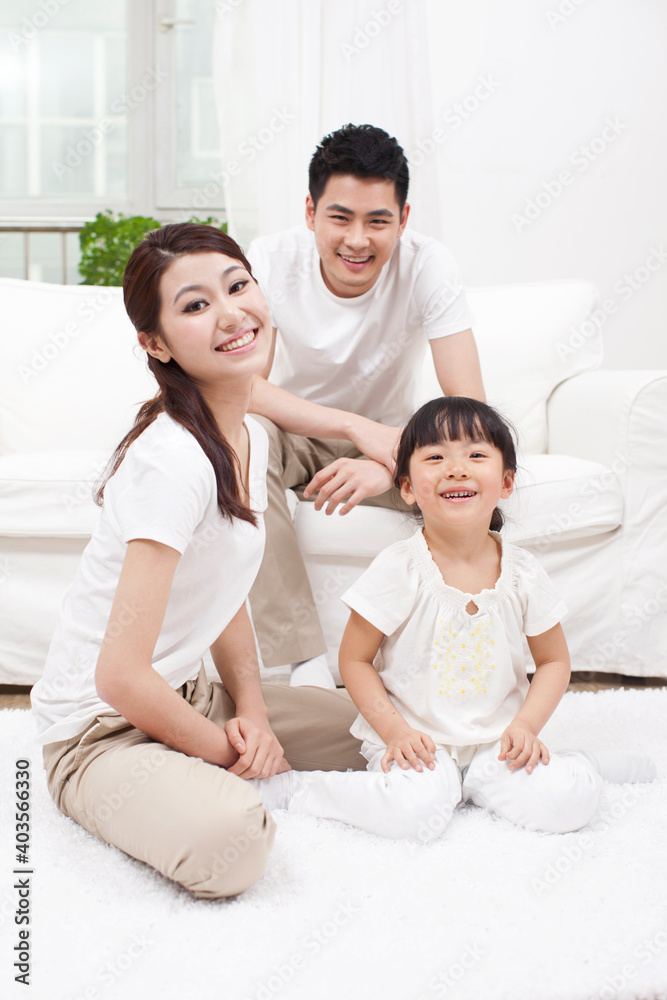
x=214, y=320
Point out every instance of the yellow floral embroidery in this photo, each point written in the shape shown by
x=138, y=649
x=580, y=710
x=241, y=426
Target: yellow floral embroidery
x=463, y=659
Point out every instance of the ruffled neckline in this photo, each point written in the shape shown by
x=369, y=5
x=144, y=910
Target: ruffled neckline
x=459, y=599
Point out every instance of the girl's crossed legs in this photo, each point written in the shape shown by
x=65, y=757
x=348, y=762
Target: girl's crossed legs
x=557, y=797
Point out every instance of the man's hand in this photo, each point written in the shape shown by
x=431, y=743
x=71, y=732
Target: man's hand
x=260, y=753
x=374, y=440
x=520, y=745
x=347, y=481
x=302, y=416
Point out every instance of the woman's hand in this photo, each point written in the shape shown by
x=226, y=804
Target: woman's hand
x=350, y=480
x=260, y=753
x=409, y=748
x=520, y=746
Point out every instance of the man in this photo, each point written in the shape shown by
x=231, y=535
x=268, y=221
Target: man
x=355, y=297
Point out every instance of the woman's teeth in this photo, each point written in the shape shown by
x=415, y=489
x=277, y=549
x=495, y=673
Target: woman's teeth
x=247, y=338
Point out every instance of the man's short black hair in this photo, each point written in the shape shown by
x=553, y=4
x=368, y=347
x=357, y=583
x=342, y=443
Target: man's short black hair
x=362, y=151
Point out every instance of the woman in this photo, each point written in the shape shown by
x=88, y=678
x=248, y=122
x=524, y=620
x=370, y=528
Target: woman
x=140, y=748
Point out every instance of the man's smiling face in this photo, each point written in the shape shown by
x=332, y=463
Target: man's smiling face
x=356, y=223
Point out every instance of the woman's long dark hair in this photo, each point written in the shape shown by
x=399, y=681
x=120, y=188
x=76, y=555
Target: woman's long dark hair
x=456, y=418
x=178, y=395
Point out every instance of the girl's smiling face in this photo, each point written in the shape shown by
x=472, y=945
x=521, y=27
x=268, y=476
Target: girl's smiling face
x=457, y=482
x=214, y=320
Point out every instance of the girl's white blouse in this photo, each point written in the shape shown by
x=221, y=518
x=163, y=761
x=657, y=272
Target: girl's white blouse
x=461, y=678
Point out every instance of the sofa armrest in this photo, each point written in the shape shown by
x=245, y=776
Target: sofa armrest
x=611, y=417
x=619, y=418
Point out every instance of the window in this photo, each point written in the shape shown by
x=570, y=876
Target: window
x=101, y=106
x=62, y=120
x=188, y=149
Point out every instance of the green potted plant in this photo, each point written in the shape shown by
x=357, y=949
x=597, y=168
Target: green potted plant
x=108, y=241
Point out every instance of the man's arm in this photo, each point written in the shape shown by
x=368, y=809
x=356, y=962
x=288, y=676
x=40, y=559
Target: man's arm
x=266, y=371
x=301, y=416
x=457, y=365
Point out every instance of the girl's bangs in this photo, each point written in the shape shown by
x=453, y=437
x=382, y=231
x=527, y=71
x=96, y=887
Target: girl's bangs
x=461, y=425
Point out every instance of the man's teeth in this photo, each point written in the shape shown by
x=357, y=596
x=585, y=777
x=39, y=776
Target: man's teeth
x=240, y=342
x=355, y=260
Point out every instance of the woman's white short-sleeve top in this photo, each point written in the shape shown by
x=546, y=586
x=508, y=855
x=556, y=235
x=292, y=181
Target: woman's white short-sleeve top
x=164, y=490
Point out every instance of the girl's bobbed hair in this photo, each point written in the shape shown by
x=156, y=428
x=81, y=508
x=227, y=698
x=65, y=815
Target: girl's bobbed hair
x=456, y=418
x=177, y=394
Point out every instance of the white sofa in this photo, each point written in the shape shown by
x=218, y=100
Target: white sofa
x=591, y=500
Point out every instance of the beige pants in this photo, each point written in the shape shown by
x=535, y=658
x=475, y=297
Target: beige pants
x=283, y=609
x=193, y=821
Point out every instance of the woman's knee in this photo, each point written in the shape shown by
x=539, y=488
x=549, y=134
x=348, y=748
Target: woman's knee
x=229, y=854
x=195, y=823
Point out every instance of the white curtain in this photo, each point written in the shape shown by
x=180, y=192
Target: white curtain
x=288, y=72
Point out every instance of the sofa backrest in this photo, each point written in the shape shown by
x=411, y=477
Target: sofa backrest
x=71, y=372
x=530, y=339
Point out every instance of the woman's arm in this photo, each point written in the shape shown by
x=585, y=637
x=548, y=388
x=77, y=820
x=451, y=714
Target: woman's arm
x=519, y=742
x=358, y=649
x=235, y=656
x=125, y=677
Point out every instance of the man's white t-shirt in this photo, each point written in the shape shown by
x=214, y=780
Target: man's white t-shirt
x=362, y=354
x=164, y=490
x=460, y=678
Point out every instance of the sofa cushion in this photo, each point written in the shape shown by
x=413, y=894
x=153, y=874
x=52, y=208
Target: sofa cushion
x=50, y=494
x=72, y=373
x=556, y=498
x=559, y=498
x=530, y=338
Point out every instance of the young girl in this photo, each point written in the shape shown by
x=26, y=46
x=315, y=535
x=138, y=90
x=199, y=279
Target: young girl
x=140, y=748
x=433, y=656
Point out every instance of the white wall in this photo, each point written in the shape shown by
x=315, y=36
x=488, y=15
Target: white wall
x=552, y=88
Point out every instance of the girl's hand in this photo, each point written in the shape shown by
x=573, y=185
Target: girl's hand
x=260, y=753
x=409, y=748
x=522, y=747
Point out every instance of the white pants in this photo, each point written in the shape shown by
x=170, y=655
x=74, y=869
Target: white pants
x=557, y=797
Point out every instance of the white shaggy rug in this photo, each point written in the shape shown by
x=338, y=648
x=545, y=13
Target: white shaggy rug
x=488, y=912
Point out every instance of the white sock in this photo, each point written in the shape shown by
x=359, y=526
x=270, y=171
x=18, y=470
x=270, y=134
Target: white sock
x=314, y=672
x=275, y=792
x=622, y=766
